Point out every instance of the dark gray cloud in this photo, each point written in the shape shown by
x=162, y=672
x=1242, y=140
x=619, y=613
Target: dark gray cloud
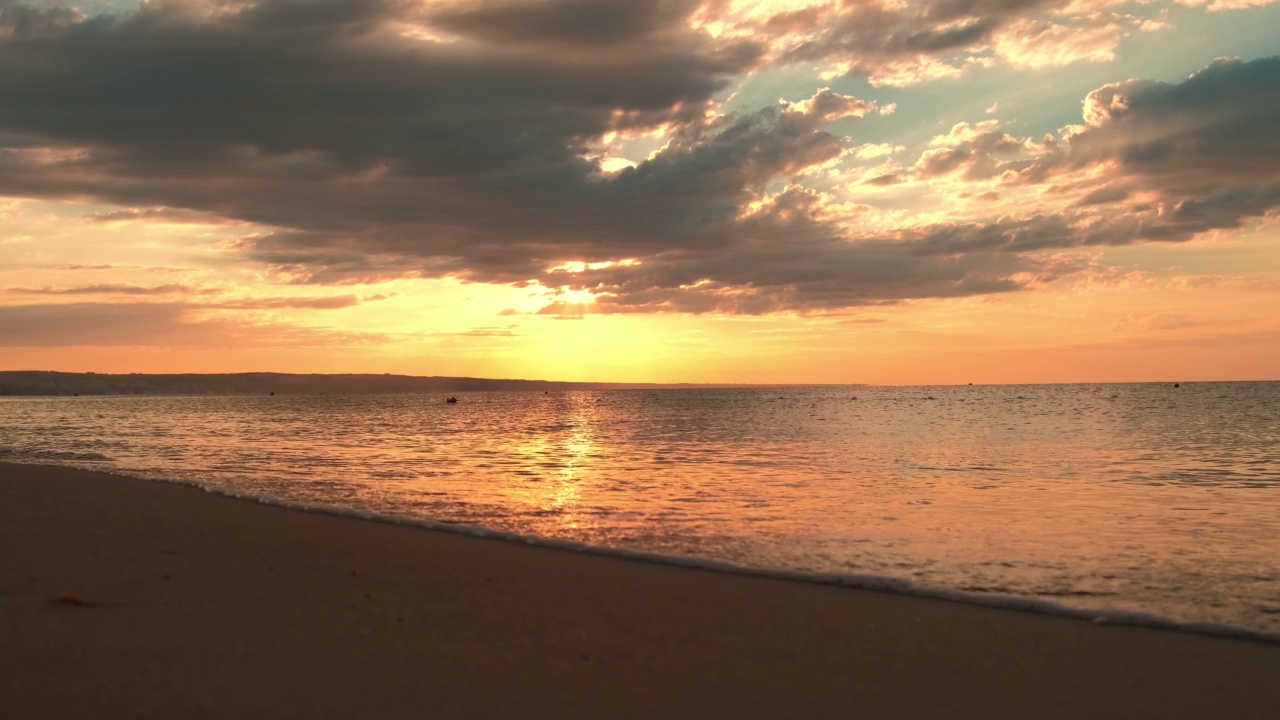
x=1106, y=194
x=1207, y=149
x=811, y=278
x=688, y=196
x=619, y=24
x=1203, y=154
x=796, y=263
x=24, y=20
x=372, y=153
x=1218, y=128
x=321, y=120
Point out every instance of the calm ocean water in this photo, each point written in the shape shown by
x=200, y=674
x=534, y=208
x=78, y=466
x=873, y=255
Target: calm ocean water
x=1137, y=497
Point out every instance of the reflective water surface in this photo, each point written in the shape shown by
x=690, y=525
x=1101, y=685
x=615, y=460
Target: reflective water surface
x=1140, y=497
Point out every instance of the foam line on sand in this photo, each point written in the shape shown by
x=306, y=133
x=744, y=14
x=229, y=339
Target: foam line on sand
x=854, y=580
x=120, y=595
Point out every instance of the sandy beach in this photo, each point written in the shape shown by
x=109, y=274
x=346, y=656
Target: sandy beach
x=123, y=597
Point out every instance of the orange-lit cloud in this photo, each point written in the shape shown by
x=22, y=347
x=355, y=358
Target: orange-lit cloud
x=364, y=170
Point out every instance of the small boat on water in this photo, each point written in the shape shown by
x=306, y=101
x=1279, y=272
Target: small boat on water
x=452, y=400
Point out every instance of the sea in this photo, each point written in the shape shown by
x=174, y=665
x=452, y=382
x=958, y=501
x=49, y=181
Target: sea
x=1122, y=503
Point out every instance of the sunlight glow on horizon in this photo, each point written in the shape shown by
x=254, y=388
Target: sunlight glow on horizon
x=787, y=192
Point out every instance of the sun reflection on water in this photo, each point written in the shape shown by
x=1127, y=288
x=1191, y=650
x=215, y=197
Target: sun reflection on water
x=1122, y=495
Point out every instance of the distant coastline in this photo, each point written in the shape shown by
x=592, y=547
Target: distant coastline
x=42, y=382
x=29, y=383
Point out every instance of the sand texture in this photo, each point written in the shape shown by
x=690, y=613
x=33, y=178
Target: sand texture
x=122, y=597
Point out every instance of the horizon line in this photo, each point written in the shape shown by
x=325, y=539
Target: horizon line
x=612, y=384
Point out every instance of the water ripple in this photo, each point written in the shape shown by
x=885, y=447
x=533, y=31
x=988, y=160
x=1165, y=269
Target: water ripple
x=1136, y=497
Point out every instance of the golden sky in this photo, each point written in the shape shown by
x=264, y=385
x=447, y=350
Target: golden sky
x=643, y=190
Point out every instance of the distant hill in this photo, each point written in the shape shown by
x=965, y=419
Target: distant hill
x=30, y=382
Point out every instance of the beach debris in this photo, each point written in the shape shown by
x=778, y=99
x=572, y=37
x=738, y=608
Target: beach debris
x=69, y=598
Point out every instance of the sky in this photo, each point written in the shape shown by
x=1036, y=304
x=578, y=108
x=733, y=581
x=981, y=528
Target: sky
x=888, y=192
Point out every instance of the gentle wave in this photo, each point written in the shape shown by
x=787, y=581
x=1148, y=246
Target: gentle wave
x=22, y=455
x=1136, y=498
x=879, y=583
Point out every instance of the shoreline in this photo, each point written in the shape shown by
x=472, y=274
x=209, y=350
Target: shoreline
x=203, y=603
x=875, y=583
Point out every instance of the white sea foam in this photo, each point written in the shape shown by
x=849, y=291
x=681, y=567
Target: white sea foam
x=1132, y=503
x=877, y=583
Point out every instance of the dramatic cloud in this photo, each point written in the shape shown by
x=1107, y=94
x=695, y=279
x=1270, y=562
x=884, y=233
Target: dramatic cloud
x=615, y=27
x=1218, y=129
x=1199, y=155
x=896, y=43
x=1179, y=159
x=25, y=20
x=1036, y=44
x=359, y=141
x=337, y=124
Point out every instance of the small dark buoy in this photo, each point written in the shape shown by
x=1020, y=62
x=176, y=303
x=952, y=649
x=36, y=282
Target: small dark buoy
x=452, y=400
x=1177, y=385
x=272, y=393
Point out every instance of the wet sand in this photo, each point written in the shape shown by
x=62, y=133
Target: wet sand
x=122, y=597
